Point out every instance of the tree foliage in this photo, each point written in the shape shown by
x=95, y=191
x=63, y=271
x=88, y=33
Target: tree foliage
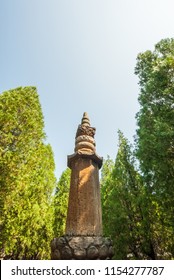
x=122, y=200
x=155, y=136
x=61, y=203
x=138, y=206
x=26, y=177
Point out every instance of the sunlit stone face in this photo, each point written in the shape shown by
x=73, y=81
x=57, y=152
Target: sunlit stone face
x=84, y=210
x=83, y=238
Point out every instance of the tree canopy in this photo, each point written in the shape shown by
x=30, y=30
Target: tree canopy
x=26, y=177
x=138, y=203
x=61, y=202
x=155, y=133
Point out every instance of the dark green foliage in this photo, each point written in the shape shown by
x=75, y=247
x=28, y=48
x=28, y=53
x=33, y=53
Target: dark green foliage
x=61, y=203
x=155, y=137
x=122, y=199
x=155, y=134
x=26, y=177
x=138, y=206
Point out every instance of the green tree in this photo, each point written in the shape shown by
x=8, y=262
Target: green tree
x=155, y=138
x=124, y=206
x=61, y=203
x=27, y=177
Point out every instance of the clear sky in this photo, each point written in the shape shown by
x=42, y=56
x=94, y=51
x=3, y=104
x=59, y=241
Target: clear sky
x=81, y=54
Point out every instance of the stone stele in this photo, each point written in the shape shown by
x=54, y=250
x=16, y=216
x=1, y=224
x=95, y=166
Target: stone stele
x=83, y=235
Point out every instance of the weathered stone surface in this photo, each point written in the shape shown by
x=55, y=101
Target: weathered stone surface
x=82, y=247
x=76, y=242
x=88, y=240
x=98, y=240
x=80, y=254
x=80, y=242
x=85, y=136
x=61, y=242
x=68, y=238
x=66, y=253
x=84, y=210
x=56, y=255
x=92, y=253
x=83, y=235
x=84, y=215
x=103, y=252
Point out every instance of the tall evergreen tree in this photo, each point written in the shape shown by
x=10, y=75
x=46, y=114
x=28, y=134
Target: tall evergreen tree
x=124, y=206
x=26, y=177
x=155, y=137
x=61, y=203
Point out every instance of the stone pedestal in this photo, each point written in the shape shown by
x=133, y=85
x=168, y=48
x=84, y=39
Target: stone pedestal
x=82, y=248
x=83, y=235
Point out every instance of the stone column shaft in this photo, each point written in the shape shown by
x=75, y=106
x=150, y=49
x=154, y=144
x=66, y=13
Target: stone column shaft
x=84, y=210
x=83, y=238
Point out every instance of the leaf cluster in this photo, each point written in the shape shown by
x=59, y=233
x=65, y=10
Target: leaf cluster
x=26, y=177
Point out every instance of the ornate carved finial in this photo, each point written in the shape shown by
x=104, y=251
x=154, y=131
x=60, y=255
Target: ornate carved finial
x=85, y=120
x=85, y=142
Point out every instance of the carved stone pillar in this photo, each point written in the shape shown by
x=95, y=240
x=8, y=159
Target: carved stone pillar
x=83, y=235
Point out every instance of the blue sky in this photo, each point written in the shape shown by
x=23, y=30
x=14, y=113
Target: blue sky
x=81, y=54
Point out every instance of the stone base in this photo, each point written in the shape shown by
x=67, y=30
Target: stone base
x=81, y=248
